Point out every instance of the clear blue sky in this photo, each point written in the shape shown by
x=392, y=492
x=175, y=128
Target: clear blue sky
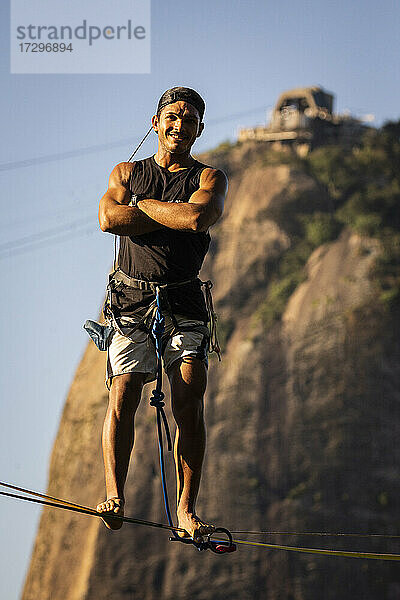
x=240, y=56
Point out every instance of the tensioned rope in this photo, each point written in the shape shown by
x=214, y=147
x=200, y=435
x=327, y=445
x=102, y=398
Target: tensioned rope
x=72, y=506
x=343, y=553
x=47, y=500
x=319, y=533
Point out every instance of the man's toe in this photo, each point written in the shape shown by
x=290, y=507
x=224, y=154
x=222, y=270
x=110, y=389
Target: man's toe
x=112, y=505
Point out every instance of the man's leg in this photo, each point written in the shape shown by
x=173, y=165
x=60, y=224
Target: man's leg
x=117, y=440
x=188, y=379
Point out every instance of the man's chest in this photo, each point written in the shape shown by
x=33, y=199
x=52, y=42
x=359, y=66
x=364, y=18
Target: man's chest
x=164, y=186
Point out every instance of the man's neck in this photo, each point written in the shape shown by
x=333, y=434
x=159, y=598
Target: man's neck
x=172, y=161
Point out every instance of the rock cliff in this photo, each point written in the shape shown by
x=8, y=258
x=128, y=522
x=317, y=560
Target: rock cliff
x=302, y=416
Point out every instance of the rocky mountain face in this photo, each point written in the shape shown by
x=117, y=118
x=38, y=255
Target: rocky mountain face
x=302, y=417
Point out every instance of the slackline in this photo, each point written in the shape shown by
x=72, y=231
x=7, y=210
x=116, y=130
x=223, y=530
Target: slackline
x=47, y=500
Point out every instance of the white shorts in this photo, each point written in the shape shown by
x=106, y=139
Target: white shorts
x=136, y=353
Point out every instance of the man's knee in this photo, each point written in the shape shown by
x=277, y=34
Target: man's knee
x=188, y=379
x=188, y=409
x=188, y=372
x=125, y=393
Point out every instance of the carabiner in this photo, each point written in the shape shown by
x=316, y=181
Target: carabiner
x=221, y=546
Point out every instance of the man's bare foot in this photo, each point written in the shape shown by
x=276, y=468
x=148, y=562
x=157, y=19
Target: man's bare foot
x=112, y=506
x=195, y=527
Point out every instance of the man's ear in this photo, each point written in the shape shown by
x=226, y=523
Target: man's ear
x=154, y=122
x=201, y=128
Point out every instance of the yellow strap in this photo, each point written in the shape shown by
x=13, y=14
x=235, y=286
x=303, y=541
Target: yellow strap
x=321, y=551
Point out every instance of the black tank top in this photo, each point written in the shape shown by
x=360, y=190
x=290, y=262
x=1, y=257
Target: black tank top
x=164, y=255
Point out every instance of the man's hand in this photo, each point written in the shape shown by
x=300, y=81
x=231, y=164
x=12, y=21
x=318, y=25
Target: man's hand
x=203, y=209
x=115, y=216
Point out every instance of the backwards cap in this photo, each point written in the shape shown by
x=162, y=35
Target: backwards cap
x=182, y=93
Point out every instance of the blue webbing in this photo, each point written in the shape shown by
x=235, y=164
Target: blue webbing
x=157, y=400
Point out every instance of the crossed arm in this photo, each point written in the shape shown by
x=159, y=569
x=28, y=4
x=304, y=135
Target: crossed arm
x=203, y=209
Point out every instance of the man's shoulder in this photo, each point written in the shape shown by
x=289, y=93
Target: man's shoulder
x=213, y=174
x=123, y=171
x=210, y=170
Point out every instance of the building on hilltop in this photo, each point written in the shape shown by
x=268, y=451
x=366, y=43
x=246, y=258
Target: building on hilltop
x=304, y=117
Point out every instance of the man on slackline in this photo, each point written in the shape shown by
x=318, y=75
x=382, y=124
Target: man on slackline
x=162, y=208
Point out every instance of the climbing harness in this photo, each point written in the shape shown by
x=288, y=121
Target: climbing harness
x=119, y=281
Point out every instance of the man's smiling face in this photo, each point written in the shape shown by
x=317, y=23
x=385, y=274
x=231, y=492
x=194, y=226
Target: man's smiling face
x=177, y=126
